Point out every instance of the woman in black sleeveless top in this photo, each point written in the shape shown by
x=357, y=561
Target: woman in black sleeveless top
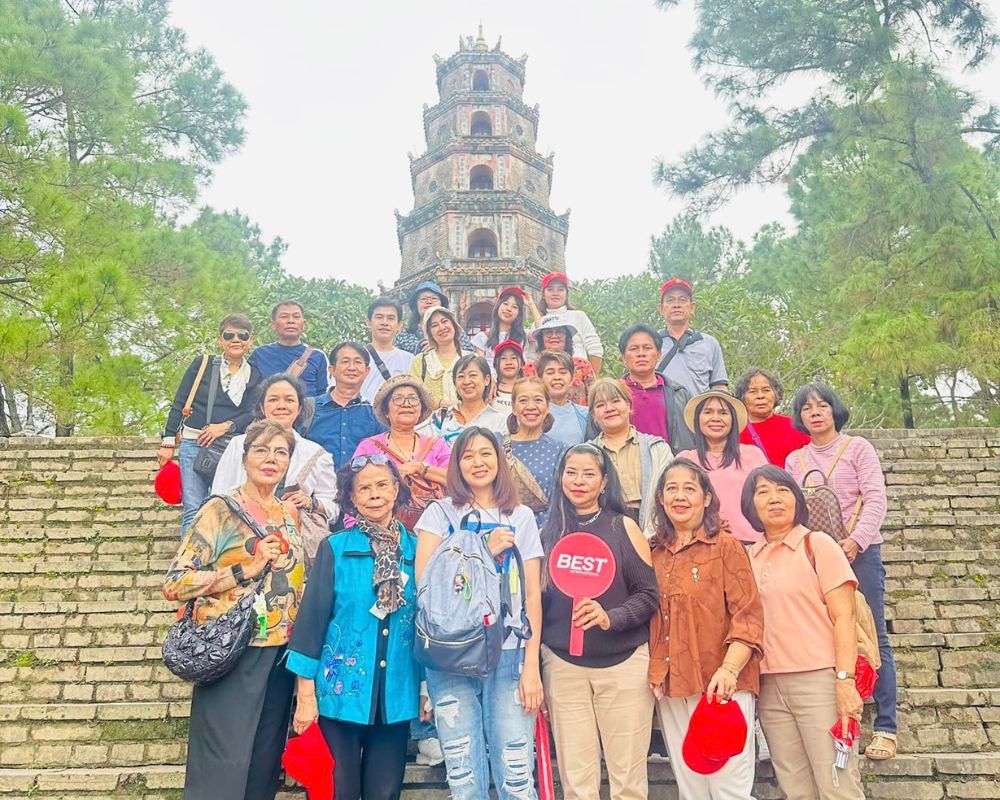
x=600, y=700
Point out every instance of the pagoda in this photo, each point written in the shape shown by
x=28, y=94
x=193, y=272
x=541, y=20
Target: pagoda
x=481, y=218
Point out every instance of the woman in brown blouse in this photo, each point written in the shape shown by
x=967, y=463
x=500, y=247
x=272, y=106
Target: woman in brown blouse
x=706, y=637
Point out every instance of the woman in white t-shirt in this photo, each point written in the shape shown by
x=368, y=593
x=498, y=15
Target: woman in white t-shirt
x=555, y=300
x=474, y=385
x=488, y=723
x=506, y=322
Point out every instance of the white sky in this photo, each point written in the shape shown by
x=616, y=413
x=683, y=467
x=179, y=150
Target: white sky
x=336, y=93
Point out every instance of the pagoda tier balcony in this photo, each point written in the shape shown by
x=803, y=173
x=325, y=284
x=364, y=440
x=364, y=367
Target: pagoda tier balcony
x=479, y=272
x=478, y=58
x=480, y=202
x=481, y=145
x=490, y=98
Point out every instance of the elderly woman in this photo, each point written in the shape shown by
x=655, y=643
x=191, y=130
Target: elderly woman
x=639, y=458
x=427, y=295
x=474, y=385
x=853, y=470
x=532, y=454
x=362, y=688
x=716, y=419
x=238, y=724
x=310, y=484
x=506, y=322
x=774, y=434
x=555, y=333
x=508, y=366
x=433, y=367
x=599, y=700
x=708, y=634
x=227, y=384
x=810, y=647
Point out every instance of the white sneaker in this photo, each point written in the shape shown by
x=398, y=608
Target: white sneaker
x=429, y=752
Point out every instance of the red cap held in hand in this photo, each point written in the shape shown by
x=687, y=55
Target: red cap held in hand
x=167, y=483
x=307, y=760
x=716, y=732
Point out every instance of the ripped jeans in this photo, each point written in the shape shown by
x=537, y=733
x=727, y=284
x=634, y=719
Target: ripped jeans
x=476, y=715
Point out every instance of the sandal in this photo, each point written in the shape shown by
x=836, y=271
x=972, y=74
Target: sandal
x=882, y=747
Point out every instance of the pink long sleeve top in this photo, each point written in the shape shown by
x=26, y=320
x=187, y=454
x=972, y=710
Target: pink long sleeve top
x=859, y=472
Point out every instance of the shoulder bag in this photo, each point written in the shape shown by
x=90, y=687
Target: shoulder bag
x=422, y=491
x=207, y=460
x=825, y=513
x=204, y=653
x=529, y=490
x=379, y=363
x=313, y=525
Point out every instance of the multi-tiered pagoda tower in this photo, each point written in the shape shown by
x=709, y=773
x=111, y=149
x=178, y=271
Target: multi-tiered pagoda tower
x=481, y=218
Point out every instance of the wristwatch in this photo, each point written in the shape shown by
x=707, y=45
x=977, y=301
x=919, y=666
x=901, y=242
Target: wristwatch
x=845, y=676
x=241, y=579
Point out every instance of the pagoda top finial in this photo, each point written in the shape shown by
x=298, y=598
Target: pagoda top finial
x=480, y=45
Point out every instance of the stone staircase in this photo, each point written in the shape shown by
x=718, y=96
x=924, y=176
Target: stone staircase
x=87, y=710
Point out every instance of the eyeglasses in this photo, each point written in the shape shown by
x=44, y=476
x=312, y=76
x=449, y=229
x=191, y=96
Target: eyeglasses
x=358, y=463
x=243, y=336
x=400, y=400
x=279, y=453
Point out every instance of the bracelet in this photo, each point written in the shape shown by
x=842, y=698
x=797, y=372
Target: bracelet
x=169, y=446
x=426, y=467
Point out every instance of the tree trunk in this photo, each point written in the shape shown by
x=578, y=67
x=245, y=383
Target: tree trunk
x=4, y=427
x=12, y=412
x=904, y=396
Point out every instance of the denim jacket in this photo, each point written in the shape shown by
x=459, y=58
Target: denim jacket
x=349, y=652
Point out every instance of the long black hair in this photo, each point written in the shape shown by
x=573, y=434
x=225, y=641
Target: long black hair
x=731, y=453
x=665, y=534
x=516, y=327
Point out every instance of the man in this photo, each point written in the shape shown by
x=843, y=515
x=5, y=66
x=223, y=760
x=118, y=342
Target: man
x=342, y=417
x=657, y=406
x=689, y=358
x=385, y=318
x=290, y=354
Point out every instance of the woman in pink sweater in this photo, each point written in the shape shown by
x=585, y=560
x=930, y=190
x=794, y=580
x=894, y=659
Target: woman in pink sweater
x=853, y=470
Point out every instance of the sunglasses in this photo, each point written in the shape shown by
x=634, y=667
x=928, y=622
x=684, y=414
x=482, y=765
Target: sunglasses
x=358, y=463
x=243, y=336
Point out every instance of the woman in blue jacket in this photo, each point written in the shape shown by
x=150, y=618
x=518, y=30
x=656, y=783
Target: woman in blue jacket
x=352, y=646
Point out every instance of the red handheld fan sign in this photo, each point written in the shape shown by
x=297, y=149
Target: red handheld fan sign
x=581, y=565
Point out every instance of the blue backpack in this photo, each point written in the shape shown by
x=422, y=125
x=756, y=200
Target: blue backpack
x=463, y=604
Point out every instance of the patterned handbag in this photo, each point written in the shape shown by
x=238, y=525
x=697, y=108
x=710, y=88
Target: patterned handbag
x=204, y=653
x=825, y=513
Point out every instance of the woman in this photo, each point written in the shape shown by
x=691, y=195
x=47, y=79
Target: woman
x=556, y=334
x=433, y=367
x=639, y=458
x=363, y=688
x=494, y=714
x=310, y=483
x=239, y=723
x=506, y=322
x=188, y=424
x=474, y=385
x=807, y=679
x=532, y=455
x=600, y=700
x=427, y=295
x=708, y=634
x=853, y=470
x=556, y=368
x=555, y=300
x=716, y=418
x=508, y=366
x=774, y=434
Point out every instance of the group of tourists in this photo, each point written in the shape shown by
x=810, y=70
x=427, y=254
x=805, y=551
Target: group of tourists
x=360, y=465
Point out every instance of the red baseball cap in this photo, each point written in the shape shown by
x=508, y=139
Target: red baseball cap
x=307, y=759
x=555, y=276
x=670, y=284
x=512, y=290
x=167, y=483
x=716, y=732
x=508, y=344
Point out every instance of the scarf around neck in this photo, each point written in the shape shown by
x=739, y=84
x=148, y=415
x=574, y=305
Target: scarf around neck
x=436, y=370
x=387, y=577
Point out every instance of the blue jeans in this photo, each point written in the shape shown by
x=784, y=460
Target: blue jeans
x=194, y=489
x=422, y=730
x=870, y=572
x=474, y=715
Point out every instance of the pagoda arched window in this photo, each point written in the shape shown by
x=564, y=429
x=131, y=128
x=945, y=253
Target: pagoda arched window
x=481, y=124
x=481, y=177
x=482, y=244
x=480, y=81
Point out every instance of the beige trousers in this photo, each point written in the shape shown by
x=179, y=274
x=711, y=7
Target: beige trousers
x=593, y=708
x=797, y=710
x=735, y=780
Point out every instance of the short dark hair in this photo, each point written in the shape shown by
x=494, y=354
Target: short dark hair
x=238, y=321
x=386, y=302
x=270, y=381
x=262, y=429
x=356, y=346
x=346, y=476
x=841, y=413
x=665, y=534
x=469, y=359
x=640, y=328
x=504, y=489
x=280, y=303
x=776, y=475
x=743, y=383
x=561, y=357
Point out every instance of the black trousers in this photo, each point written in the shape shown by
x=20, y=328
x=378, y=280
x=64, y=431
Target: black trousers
x=370, y=759
x=238, y=729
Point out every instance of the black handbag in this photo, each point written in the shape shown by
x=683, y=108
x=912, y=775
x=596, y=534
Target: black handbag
x=208, y=458
x=204, y=653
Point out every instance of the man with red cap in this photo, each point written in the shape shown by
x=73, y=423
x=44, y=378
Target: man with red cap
x=690, y=358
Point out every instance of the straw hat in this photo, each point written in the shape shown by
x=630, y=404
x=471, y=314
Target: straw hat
x=426, y=322
x=692, y=404
x=386, y=389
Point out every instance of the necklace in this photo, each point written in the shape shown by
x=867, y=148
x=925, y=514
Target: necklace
x=413, y=448
x=591, y=520
x=267, y=509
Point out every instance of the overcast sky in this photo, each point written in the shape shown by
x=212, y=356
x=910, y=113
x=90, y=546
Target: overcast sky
x=336, y=93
